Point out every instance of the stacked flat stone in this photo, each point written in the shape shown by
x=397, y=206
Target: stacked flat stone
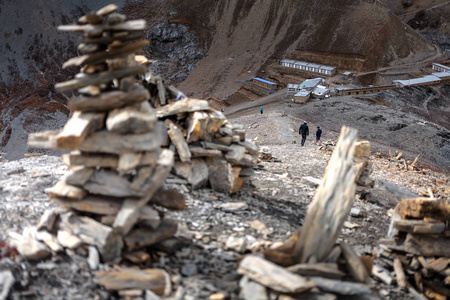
x=210, y=151
x=111, y=197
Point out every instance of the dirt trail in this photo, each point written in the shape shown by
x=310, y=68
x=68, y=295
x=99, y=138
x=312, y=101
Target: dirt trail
x=273, y=98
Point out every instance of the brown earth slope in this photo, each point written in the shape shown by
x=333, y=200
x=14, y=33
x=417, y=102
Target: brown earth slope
x=234, y=39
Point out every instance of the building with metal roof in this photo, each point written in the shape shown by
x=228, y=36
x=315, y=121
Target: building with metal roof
x=320, y=91
x=264, y=83
x=310, y=84
x=440, y=68
x=302, y=96
x=309, y=67
x=425, y=80
x=442, y=75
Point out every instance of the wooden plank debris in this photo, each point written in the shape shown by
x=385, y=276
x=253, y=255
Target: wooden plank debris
x=106, y=142
x=98, y=78
x=326, y=270
x=109, y=100
x=355, y=264
x=43, y=140
x=139, y=238
x=77, y=128
x=273, y=276
x=91, y=232
x=332, y=203
x=182, y=106
x=176, y=136
x=156, y=280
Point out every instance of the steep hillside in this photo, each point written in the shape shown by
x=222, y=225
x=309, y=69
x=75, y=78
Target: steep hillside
x=208, y=48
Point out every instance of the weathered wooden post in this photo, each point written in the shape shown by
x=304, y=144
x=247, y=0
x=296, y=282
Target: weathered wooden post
x=331, y=204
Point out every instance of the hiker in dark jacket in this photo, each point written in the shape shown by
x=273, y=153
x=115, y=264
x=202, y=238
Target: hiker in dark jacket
x=318, y=134
x=261, y=110
x=304, y=131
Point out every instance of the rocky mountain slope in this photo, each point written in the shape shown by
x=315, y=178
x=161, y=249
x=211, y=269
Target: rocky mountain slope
x=208, y=48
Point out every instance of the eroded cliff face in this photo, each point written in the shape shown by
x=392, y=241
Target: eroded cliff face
x=206, y=47
x=240, y=36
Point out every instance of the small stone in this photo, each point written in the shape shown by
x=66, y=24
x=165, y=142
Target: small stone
x=7, y=281
x=355, y=212
x=94, y=258
x=233, y=206
x=189, y=269
x=238, y=244
x=217, y=296
x=32, y=249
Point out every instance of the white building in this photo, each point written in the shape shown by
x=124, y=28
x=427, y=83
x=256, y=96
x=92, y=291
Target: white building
x=425, y=80
x=309, y=67
x=440, y=68
x=320, y=92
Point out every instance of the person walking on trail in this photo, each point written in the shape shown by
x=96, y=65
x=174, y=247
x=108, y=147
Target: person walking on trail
x=304, y=131
x=318, y=134
x=261, y=110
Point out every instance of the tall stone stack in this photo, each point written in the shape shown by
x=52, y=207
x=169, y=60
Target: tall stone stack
x=117, y=166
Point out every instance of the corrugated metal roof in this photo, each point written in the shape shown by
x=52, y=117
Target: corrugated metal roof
x=302, y=93
x=265, y=81
x=442, y=66
x=293, y=86
x=320, y=90
x=314, y=66
x=311, y=83
x=327, y=68
x=424, y=79
x=301, y=63
x=290, y=61
x=441, y=74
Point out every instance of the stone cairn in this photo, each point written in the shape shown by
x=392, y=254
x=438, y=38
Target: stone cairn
x=110, y=200
x=416, y=254
x=210, y=151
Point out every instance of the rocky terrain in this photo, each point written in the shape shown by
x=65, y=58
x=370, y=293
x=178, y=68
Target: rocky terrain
x=216, y=228
x=208, y=49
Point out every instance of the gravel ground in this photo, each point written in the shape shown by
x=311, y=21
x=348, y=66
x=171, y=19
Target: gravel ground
x=276, y=196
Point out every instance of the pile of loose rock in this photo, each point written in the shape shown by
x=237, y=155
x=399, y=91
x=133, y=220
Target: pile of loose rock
x=210, y=150
x=417, y=256
x=111, y=201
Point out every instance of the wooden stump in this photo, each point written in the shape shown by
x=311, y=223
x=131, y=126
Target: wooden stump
x=331, y=204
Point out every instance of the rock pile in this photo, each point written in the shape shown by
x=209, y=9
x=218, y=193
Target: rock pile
x=110, y=201
x=210, y=150
x=417, y=256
